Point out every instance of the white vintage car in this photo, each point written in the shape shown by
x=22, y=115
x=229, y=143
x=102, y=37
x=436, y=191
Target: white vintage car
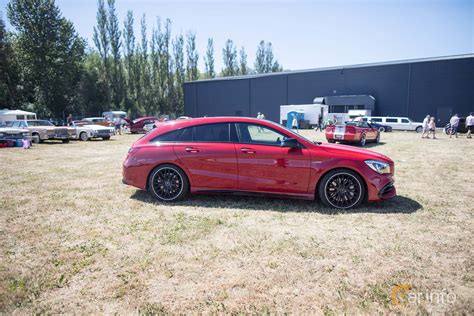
x=13, y=133
x=85, y=131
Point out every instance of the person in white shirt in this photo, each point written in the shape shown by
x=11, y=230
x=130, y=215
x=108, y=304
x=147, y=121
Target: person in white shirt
x=454, y=121
x=259, y=115
x=294, y=123
x=424, y=125
x=470, y=124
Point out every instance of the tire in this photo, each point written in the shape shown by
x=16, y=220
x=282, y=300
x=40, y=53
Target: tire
x=168, y=183
x=35, y=138
x=342, y=189
x=377, y=139
x=83, y=136
x=419, y=129
x=332, y=141
x=65, y=141
x=381, y=129
x=363, y=140
x=106, y=137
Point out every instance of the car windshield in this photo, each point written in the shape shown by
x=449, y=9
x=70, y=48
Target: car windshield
x=40, y=123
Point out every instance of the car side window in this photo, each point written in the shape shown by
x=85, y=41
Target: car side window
x=259, y=134
x=405, y=121
x=168, y=137
x=212, y=133
x=391, y=120
x=376, y=120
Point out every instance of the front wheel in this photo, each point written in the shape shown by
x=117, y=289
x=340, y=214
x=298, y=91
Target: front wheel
x=83, y=136
x=342, y=189
x=168, y=183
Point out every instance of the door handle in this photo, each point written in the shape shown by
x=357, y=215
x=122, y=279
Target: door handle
x=247, y=150
x=191, y=150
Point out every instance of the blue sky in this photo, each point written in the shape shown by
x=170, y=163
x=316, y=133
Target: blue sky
x=305, y=34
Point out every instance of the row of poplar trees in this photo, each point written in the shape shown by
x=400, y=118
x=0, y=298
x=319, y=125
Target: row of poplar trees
x=45, y=66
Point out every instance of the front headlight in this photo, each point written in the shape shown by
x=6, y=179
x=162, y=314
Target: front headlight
x=378, y=166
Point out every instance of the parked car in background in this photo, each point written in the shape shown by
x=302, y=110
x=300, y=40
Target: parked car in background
x=13, y=133
x=462, y=128
x=98, y=121
x=41, y=130
x=137, y=125
x=183, y=118
x=381, y=127
x=238, y=155
x=57, y=121
x=86, y=131
x=397, y=123
x=352, y=132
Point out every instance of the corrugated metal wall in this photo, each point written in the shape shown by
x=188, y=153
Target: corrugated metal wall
x=405, y=89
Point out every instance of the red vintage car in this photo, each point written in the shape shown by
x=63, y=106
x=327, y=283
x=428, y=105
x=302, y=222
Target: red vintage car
x=352, y=132
x=236, y=155
x=136, y=126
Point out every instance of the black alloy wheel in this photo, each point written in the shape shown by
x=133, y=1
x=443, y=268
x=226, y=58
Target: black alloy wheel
x=168, y=183
x=342, y=189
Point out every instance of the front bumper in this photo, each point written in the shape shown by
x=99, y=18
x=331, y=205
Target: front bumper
x=58, y=137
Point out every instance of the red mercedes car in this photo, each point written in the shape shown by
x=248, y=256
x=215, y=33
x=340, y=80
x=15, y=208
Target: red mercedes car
x=136, y=126
x=254, y=157
x=352, y=132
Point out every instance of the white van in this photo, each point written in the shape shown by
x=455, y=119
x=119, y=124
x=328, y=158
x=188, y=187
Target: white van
x=397, y=123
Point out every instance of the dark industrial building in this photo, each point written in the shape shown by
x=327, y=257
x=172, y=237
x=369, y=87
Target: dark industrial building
x=437, y=86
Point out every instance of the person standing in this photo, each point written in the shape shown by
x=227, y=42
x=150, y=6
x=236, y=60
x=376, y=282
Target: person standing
x=69, y=120
x=259, y=115
x=454, y=121
x=118, y=125
x=470, y=124
x=425, y=127
x=431, y=128
x=294, y=124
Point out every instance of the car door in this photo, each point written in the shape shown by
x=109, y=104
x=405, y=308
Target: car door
x=208, y=155
x=393, y=122
x=265, y=166
x=371, y=131
x=407, y=125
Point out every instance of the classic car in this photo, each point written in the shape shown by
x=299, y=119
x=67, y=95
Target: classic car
x=98, y=121
x=41, y=130
x=13, y=133
x=248, y=156
x=352, y=132
x=86, y=131
x=137, y=125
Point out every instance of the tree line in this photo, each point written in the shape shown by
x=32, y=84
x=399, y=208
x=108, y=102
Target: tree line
x=45, y=66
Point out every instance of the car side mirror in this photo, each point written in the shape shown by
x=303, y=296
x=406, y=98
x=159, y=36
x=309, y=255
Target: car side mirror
x=289, y=142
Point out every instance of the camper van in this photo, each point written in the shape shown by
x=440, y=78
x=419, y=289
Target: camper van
x=8, y=116
x=110, y=115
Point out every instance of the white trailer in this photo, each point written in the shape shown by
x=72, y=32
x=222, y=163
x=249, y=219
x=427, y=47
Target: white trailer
x=312, y=112
x=7, y=116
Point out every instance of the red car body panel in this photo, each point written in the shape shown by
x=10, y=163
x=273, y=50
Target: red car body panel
x=136, y=126
x=250, y=168
x=350, y=133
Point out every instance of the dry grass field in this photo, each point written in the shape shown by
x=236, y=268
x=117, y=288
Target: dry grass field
x=74, y=239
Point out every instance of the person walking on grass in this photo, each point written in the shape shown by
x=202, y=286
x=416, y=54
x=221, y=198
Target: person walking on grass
x=454, y=121
x=424, y=125
x=294, y=124
x=470, y=124
x=431, y=128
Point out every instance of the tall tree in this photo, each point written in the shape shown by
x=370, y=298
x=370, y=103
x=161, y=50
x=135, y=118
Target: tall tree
x=229, y=52
x=244, y=69
x=102, y=43
x=145, y=78
x=50, y=54
x=129, y=53
x=114, y=35
x=178, y=52
x=8, y=69
x=260, y=58
x=209, y=59
x=192, y=57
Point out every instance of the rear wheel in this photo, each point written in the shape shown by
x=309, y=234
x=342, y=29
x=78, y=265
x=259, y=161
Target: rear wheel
x=381, y=129
x=377, y=140
x=342, y=189
x=168, y=183
x=363, y=140
x=419, y=129
x=106, y=137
